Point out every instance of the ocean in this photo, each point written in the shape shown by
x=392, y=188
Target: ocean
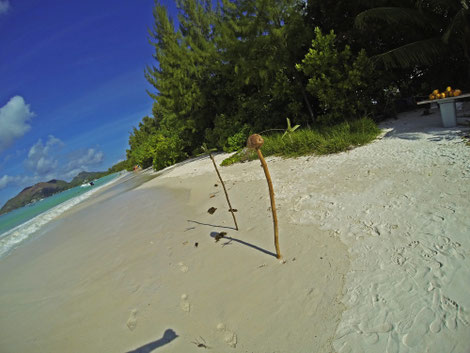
x=21, y=224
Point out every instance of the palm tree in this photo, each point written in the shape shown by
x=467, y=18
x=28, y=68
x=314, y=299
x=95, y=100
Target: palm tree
x=432, y=25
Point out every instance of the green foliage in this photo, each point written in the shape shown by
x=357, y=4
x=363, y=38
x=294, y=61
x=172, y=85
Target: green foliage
x=260, y=42
x=223, y=128
x=237, y=140
x=207, y=150
x=416, y=46
x=290, y=129
x=224, y=72
x=340, y=81
x=123, y=165
x=240, y=66
x=428, y=27
x=141, y=143
x=241, y=156
x=167, y=151
x=323, y=140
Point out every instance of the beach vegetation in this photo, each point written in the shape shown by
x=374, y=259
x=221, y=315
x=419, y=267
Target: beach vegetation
x=119, y=166
x=227, y=69
x=436, y=26
x=340, y=81
x=141, y=147
x=319, y=141
x=168, y=149
x=289, y=129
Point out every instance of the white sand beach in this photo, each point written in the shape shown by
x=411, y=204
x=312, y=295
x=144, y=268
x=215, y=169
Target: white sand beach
x=376, y=243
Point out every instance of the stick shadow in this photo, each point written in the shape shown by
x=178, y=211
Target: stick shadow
x=267, y=252
x=168, y=336
x=210, y=225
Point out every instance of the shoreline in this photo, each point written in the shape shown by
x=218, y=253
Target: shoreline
x=21, y=233
x=162, y=274
x=373, y=238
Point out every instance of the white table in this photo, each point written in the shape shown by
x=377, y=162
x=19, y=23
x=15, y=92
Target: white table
x=447, y=108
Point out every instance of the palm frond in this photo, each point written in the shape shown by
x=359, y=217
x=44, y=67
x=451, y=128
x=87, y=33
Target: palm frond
x=459, y=25
x=423, y=52
x=395, y=16
x=452, y=5
x=372, y=3
x=465, y=4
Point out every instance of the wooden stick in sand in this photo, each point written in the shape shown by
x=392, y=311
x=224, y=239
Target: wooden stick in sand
x=255, y=141
x=206, y=150
x=225, y=190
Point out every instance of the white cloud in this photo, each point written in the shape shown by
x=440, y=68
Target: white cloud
x=40, y=161
x=45, y=163
x=17, y=180
x=91, y=157
x=44, y=160
x=4, y=6
x=4, y=181
x=83, y=161
x=14, y=119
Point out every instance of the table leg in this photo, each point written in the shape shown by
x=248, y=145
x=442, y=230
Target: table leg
x=448, y=116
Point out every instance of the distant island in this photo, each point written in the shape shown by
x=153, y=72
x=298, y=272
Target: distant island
x=45, y=189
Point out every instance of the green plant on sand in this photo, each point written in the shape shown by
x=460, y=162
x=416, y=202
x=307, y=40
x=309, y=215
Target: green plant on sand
x=255, y=142
x=208, y=151
x=289, y=129
x=322, y=140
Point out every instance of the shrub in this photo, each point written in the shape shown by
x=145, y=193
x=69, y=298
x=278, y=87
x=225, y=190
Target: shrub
x=340, y=81
x=323, y=140
x=238, y=140
x=167, y=151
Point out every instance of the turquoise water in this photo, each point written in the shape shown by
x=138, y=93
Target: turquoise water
x=17, y=225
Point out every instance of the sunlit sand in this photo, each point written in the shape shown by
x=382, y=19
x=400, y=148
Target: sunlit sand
x=375, y=242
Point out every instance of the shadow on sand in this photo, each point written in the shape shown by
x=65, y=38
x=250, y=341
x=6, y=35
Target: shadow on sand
x=168, y=336
x=210, y=225
x=230, y=239
x=414, y=126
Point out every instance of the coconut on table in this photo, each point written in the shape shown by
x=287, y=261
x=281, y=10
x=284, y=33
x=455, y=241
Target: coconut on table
x=446, y=104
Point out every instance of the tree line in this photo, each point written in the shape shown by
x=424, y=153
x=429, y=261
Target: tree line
x=230, y=68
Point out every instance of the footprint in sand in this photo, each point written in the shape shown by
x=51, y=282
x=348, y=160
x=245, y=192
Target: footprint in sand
x=451, y=321
x=371, y=338
x=183, y=267
x=184, y=303
x=230, y=338
x=419, y=328
x=380, y=328
x=436, y=325
x=132, y=321
x=453, y=312
x=392, y=343
x=428, y=254
x=345, y=348
x=413, y=244
x=403, y=327
x=464, y=317
x=434, y=265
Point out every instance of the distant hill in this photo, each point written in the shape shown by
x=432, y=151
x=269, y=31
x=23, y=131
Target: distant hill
x=84, y=177
x=45, y=189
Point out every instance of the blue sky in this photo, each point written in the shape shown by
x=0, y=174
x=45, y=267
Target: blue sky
x=72, y=86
